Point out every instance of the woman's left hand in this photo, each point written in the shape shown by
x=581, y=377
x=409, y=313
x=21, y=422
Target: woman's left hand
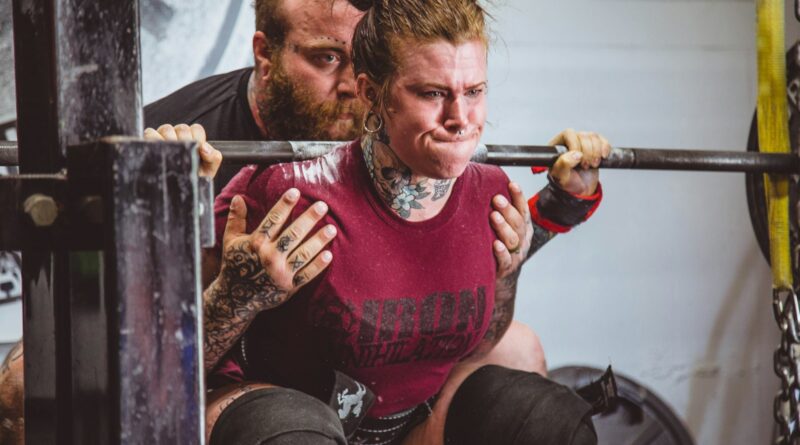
x=511, y=222
x=576, y=170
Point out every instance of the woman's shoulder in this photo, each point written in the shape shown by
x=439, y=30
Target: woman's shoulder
x=486, y=175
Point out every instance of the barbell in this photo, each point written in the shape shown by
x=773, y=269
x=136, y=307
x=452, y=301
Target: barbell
x=269, y=152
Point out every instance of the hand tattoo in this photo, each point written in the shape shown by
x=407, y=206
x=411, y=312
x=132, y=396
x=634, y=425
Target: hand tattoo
x=242, y=290
x=296, y=263
x=283, y=243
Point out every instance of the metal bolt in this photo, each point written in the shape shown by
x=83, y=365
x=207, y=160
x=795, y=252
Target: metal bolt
x=92, y=209
x=42, y=209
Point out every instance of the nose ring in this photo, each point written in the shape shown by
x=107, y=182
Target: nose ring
x=460, y=132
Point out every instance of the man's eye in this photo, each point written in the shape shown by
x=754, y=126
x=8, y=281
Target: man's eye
x=326, y=59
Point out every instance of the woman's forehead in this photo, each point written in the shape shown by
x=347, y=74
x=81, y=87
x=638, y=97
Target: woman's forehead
x=442, y=62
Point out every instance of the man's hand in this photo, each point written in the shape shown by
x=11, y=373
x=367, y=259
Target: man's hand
x=210, y=158
x=263, y=269
x=586, y=149
x=511, y=222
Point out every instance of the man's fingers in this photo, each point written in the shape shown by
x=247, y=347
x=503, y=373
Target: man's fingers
x=151, y=134
x=505, y=233
x=309, y=249
x=293, y=235
x=503, y=257
x=237, y=220
x=210, y=159
x=518, y=200
x=198, y=133
x=167, y=132
x=184, y=132
x=271, y=224
x=317, y=265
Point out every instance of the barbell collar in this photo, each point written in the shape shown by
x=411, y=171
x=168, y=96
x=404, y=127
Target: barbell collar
x=270, y=152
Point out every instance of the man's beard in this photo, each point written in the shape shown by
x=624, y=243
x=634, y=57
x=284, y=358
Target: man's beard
x=288, y=113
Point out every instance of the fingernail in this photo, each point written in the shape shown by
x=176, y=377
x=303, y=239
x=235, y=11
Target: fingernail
x=498, y=246
x=330, y=230
x=577, y=155
x=326, y=256
x=293, y=193
x=514, y=187
x=501, y=201
x=320, y=207
x=497, y=217
x=235, y=201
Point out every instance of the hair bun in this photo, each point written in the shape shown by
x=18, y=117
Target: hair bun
x=363, y=5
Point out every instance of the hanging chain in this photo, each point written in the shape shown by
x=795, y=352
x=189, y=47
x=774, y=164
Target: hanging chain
x=786, y=309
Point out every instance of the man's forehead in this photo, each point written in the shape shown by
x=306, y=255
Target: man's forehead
x=332, y=20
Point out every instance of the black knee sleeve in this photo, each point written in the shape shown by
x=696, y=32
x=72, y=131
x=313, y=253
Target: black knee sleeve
x=502, y=406
x=278, y=416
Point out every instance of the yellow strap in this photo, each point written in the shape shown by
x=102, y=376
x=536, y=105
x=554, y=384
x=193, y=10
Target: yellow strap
x=773, y=132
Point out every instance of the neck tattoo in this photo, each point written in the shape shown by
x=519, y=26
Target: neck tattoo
x=396, y=185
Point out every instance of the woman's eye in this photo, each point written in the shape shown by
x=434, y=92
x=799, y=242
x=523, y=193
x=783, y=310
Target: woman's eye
x=475, y=92
x=433, y=94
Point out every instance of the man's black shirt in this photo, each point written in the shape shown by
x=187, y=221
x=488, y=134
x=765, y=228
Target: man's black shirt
x=219, y=104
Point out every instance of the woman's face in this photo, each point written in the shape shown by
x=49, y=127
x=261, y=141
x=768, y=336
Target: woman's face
x=437, y=106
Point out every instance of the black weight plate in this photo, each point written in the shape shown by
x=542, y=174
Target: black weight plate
x=756, y=200
x=639, y=418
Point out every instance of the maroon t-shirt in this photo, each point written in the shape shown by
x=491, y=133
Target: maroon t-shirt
x=400, y=303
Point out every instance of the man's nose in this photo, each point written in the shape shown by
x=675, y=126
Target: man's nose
x=346, y=82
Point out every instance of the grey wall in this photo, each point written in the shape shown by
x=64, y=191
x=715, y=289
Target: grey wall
x=666, y=282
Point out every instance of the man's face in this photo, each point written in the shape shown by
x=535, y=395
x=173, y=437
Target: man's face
x=310, y=93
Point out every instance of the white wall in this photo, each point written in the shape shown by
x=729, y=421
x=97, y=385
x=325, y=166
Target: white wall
x=665, y=282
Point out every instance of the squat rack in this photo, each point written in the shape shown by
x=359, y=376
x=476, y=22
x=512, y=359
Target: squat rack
x=97, y=216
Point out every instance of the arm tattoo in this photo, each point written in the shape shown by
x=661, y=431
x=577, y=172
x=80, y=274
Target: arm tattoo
x=505, y=296
x=540, y=237
x=231, y=302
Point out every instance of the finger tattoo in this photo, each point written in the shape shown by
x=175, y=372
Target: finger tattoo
x=296, y=263
x=283, y=243
x=266, y=227
x=299, y=279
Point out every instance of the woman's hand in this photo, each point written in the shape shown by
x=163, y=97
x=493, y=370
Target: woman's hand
x=210, y=158
x=576, y=170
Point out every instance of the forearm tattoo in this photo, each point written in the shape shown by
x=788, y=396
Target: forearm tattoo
x=393, y=180
x=541, y=236
x=242, y=290
x=504, y=298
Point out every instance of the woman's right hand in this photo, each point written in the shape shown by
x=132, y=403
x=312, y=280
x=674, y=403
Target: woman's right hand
x=262, y=270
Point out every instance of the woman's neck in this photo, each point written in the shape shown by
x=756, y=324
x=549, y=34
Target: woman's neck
x=413, y=197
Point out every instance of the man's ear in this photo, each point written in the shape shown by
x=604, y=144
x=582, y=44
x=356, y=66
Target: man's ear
x=262, y=54
x=366, y=91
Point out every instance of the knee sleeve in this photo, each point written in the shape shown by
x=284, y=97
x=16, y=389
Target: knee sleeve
x=278, y=416
x=508, y=407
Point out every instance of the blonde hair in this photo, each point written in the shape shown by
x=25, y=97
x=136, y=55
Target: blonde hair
x=389, y=23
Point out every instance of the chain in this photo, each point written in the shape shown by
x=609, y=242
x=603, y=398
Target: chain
x=786, y=309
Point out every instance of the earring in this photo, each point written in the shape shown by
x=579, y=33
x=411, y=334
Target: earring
x=371, y=114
